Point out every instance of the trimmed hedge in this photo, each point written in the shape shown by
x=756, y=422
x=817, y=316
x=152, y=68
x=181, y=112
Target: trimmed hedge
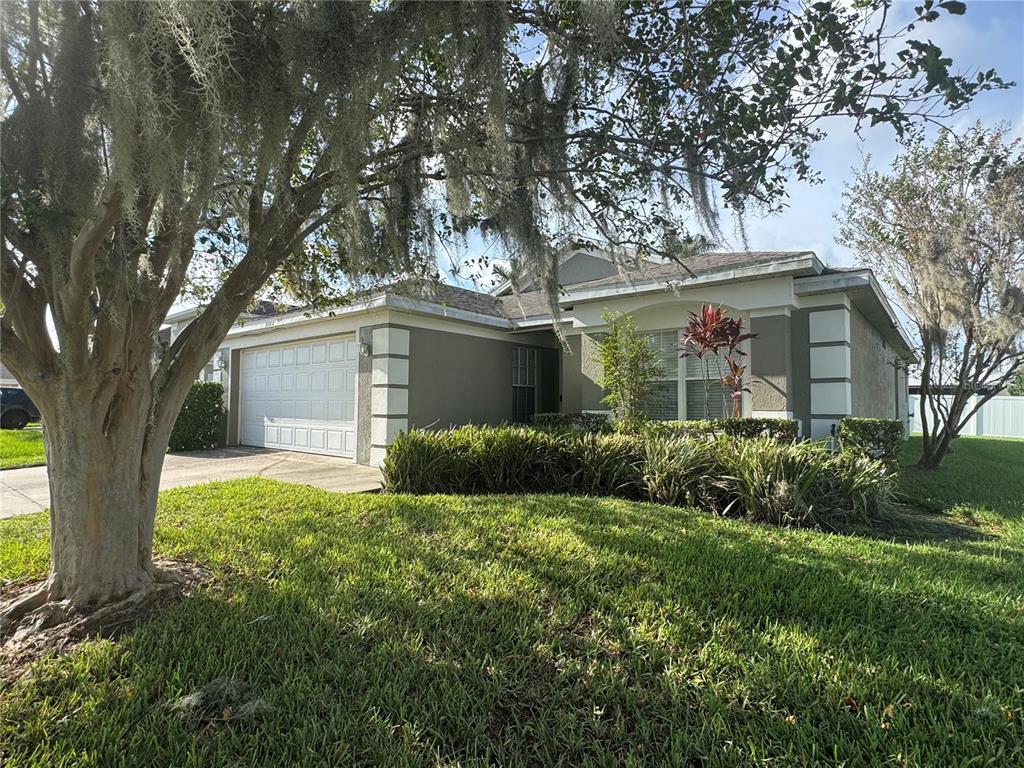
x=780, y=429
x=201, y=422
x=581, y=422
x=879, y=439
x=760, y=479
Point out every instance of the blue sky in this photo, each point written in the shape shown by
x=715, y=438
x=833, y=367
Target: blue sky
x=989, y=35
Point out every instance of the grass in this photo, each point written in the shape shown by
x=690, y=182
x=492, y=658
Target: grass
x=539, y=630
x=21, y=448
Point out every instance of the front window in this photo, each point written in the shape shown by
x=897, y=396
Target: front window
x=695, y=396
x=678, y=391
x=524, y=384
x=662, y=404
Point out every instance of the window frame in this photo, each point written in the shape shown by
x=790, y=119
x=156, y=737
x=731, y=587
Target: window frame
x=530, y=369
x=682, y=379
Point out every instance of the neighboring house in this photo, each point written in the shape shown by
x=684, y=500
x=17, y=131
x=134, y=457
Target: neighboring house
x=347, y=381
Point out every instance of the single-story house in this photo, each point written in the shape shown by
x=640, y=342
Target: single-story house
x=347, y=381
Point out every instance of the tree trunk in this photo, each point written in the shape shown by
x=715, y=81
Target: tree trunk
x=935, y=452
x=104, y=469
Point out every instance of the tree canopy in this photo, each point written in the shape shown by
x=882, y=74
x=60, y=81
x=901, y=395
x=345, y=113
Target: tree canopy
x=944, y=228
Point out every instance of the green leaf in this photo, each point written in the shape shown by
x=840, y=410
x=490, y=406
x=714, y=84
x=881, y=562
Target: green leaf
x=954, y=7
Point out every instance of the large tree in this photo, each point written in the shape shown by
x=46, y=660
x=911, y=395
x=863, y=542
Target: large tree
x=148, y=147
x=944, y=228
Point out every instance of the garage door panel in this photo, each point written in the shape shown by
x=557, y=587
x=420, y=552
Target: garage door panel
x=300, y=396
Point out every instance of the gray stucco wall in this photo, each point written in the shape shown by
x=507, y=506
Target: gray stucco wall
x=572, y=386
x=903, y=397
x=583, y=267
x=771, y=364
x=873, y=378
x=458, y=379
x=800, y=384
x=579, y=268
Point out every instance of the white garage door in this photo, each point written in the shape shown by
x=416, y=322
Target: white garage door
x=301, y=397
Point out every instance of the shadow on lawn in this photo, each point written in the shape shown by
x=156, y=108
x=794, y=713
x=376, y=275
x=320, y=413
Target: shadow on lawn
x=540, y=631
x=911, y=525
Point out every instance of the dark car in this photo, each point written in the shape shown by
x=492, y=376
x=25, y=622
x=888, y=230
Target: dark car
x=16, y=409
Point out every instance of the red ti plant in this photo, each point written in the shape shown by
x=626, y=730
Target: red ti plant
x=733, y=382
x=711, y=333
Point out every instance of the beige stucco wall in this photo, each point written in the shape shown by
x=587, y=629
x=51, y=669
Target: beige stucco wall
x=873, y=376
x=580, y=372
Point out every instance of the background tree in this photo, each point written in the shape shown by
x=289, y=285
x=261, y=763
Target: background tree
x=944, y=228
x=153, y=150
x=1016, y=387
x=629, y=363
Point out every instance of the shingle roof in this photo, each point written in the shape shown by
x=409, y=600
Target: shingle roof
x=533, y=303
x=451, y=296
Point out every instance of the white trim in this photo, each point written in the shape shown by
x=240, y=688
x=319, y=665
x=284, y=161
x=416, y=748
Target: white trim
x=809, y=288
x=377, y=455
x=820, y=300
x=389, y=401
x=771, y=414
x=390, y=370
x=448, y=325
x=829, y=325
x=426, y=307
x=390, y=341
x=770, y=312
x=384, y=429
x=821, y=429
x=832, y=397
x=831, y=362
x=773, y=269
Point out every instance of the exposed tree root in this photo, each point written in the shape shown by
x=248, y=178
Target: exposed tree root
x=33, y=625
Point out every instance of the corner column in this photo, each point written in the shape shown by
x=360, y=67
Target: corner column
x=771, y=365
x=389, y=396
x=830, y=368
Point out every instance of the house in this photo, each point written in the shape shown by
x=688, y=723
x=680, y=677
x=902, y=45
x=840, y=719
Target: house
x=347, y=381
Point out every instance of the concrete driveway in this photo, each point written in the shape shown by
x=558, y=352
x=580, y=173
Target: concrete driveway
x=27, y=490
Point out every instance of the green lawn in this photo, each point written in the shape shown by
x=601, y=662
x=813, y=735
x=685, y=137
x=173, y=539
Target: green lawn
x=21, y=448
x=390, y=630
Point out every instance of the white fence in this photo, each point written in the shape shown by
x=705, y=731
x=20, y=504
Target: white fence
x=1002, y=416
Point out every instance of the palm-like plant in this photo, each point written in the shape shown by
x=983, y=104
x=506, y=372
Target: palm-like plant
x=709, y=333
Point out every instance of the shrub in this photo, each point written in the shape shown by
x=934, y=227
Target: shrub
x=510, y=459
x=474, y=460
x=680, y=471
x=781, y=429
x=424, y=462
x=201, y=422
x=760, y=479
x=879, y=439
x=767, y=481
x=604, y=465
x=853, y=485
x=580, y=422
